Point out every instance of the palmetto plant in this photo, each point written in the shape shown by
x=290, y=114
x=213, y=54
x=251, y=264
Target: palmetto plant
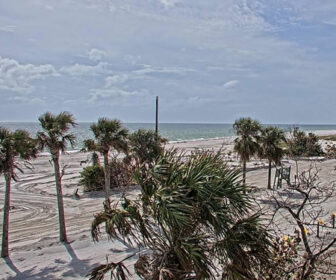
x=55, y=137
x=270, y=147
x=246, y=145
x=146, y=146
x=193, y=215
x=12, y=145
x=110, y=136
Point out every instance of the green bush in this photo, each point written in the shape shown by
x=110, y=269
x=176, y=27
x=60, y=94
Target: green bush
x=92, y=178
x=301, y=144
x=146, y=146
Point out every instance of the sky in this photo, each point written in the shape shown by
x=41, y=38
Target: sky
x=208, y=61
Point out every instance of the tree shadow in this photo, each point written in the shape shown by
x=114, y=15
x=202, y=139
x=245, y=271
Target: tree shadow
x=76, y=268
x=43, y=274
x=12, y=266
x=79, y=267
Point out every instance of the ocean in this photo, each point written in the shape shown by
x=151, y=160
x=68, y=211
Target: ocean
x=171, y=131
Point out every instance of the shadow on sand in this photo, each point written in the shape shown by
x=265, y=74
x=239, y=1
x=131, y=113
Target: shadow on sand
x=76, y=268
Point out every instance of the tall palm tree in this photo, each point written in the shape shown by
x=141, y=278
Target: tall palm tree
x=109, y=135
x=246, y=145
x=12, y=145
x=55, y=136
x=270, y=141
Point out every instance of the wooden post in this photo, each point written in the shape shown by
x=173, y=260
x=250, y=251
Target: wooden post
x=333, y=219
x=318, y=229
x=157, y=116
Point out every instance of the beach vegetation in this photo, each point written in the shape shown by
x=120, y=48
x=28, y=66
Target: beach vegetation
x=331, y=137
x=110, y=138
x=146, y=146
x=331, y=151
x=193, y=220
x=301, y=144
x=270, y=140
x=55, y=137
x=92, y=178
x=13, y=145
x=247, y=143
x=305, y=204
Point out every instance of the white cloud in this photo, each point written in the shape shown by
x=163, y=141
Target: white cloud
x=8, y=28
x=111, y=92
x=86, y=70
x=96, y=54
x=231, y=84
x=114, y=94
x=168, y=3
x=116, y=79
x=18, y=77
x=148, y=69
x=27, y=99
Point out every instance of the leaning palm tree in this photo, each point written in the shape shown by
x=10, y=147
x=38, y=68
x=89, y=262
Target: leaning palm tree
x=109, y=135
x=192, y=221
x=12, y=145
x=55, y=136
x=270, y=149
x=246, y=145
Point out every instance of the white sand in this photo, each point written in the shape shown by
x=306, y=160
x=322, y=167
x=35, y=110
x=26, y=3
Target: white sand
x=35, y=252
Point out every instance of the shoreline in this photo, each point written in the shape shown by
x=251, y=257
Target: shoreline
x=227, y=139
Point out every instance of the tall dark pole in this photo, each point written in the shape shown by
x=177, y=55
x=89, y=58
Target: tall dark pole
x=157, y=116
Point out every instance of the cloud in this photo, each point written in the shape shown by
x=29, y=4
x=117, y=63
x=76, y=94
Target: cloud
x=113, y=93
x=231, y=84
x=96, y=54
x=8, y=28
x=86, y=70
x=168, y=3
x=145, y=71
x=270, y=49
x=149, y=69
x=27, y=99
x=18, y=77
x=116, y=79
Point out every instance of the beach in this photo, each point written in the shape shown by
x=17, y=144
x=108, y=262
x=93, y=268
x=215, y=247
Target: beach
x=36, y=253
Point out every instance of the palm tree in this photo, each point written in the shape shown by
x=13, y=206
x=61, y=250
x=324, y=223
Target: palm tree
x=192, y=218
x=109, y=135
x=55, y=137
x=246, y=145
x=12, y=145
x=270, y=141
x=146, y=146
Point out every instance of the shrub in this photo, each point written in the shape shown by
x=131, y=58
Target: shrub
x=301, y=144
x=92, y=178
x=121, y=173
x=146, y=146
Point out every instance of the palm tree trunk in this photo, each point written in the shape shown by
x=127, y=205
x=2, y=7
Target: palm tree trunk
x=244, y=172
x=61, y=216
x=107, y=173
x=5, y=225
x=269, y=174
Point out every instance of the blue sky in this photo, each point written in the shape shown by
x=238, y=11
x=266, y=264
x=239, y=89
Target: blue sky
x=209, y=61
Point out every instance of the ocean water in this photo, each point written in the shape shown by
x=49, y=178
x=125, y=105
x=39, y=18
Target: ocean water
x=171, y=131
